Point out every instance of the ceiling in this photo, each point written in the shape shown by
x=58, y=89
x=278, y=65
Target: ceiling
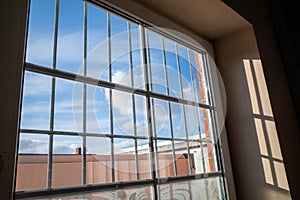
x=212, y=19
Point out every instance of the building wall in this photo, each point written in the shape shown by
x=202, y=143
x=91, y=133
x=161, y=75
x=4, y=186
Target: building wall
x=67, y=169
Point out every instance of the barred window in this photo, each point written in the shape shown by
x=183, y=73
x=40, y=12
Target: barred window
x=114, y=108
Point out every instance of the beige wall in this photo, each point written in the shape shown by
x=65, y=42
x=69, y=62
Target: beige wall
x=67, y=169
x=255, y=151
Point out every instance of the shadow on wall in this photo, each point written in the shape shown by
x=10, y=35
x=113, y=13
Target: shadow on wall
x=270, y=152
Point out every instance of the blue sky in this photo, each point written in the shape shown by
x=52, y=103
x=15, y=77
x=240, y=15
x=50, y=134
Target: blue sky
x=68, y=95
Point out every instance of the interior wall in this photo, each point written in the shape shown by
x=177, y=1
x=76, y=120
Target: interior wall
x=13, y=16
x=278, y=69
x=253, y=144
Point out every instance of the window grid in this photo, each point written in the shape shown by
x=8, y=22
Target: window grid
x=150, y=96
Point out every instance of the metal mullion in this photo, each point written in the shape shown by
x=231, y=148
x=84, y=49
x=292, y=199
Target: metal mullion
x=133, y=103
x=177, y=179
x=110, y=99
x=161, y=138
x=169, y=105
x=155, y=138
x=33, y=131
x=149, y=72
x=183, y=107
x=197, y=111
x=84, y=96
x=148, y=103
x=149, y=75
x=179, y=100
x=50, y=150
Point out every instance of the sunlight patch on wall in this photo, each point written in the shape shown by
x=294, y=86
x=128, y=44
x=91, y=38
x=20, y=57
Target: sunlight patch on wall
x=269, y=146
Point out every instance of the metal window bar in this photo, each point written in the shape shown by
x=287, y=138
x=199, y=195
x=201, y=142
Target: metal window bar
x=148, y=74
x=184, y=114
x=133, y=102
x=148, y=103
x=50, y=153
x=110, y=98
x=196, y=109
x=34, y=131
x=84, y=96
x=169, y=105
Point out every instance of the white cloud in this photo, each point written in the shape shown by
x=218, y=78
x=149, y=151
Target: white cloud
x=39, y=107
x=30, y=143
x=123, y=145
x=36, y=85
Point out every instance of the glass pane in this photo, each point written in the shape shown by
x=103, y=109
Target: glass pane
x=202, y=79
x=182, y=158
x=97, y=43
x=68, y=106
x=124, y=160
x=178, y=121
x=121, y=194
x=206, y=124
x=98, y=114
x=161, y=118
x=40, y=33
x=200, y=189
x=172, y=69
x=186, y=79
x=164, y=158
x=197, y=157
x=70, y=36
x=32, y=160
x=196, y=76
x=143, y=159
x=138, y=71
x=210, y=159
x=141, y=116
x=36, y=102
x=98, y=166
x=120, y=61
x=67, y=161
x=191, y=122
x=122, y=113
x=156, y=63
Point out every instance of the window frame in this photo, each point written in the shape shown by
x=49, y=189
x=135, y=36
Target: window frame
x=53, y=73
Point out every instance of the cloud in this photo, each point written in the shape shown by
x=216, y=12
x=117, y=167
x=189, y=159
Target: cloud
x=119, y=147
x=36, y=108
x=33, y=144
x=36, y=85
